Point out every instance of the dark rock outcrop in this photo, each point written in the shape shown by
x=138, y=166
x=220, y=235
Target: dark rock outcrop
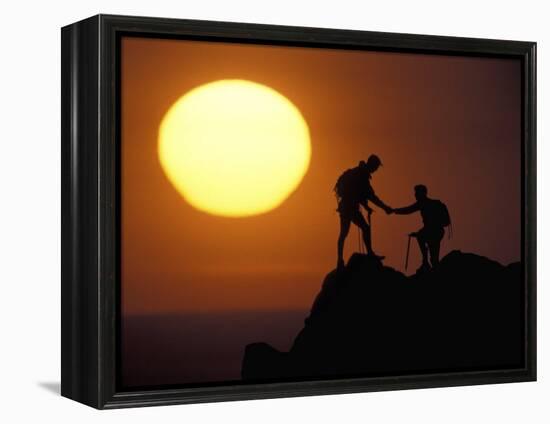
x=371, y=320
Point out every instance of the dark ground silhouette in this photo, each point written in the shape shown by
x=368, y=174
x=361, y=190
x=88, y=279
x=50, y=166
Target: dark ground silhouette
x=371, y=320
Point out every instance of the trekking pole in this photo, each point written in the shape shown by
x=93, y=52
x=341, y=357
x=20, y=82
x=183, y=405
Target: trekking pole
x=408, y=250
x=369, y=217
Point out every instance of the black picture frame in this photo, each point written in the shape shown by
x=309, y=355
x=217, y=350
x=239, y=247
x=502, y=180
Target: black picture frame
x=90, y=203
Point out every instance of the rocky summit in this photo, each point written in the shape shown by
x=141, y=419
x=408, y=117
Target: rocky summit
x=370, y=320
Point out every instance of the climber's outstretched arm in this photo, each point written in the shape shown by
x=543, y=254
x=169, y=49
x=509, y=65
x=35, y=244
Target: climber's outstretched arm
x=374, y=199
x=407, y=209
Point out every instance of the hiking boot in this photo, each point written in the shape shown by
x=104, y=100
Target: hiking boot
x=375, y=256
x=425, y=267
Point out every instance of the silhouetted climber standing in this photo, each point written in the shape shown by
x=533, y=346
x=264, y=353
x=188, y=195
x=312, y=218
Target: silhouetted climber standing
x=435, y=216
x=353, y=190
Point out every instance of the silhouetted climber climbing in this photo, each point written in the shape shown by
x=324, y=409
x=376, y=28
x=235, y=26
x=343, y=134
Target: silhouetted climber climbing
x=353, y=190
x=435, y=216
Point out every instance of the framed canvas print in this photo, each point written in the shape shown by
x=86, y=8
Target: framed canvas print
x=254, y=211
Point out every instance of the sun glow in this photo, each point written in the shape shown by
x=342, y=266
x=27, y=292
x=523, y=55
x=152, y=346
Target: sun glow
x=234, y=148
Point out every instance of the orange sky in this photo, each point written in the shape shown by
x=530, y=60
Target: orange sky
x=451, y=123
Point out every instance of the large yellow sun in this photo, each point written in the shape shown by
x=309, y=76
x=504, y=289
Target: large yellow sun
x=234, y=148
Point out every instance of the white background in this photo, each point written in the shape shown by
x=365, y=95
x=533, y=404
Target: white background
x=30, y=211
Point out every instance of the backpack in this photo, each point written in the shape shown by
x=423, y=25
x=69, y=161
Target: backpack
x=352, y=184
x=345, y=184
x=441, y=217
